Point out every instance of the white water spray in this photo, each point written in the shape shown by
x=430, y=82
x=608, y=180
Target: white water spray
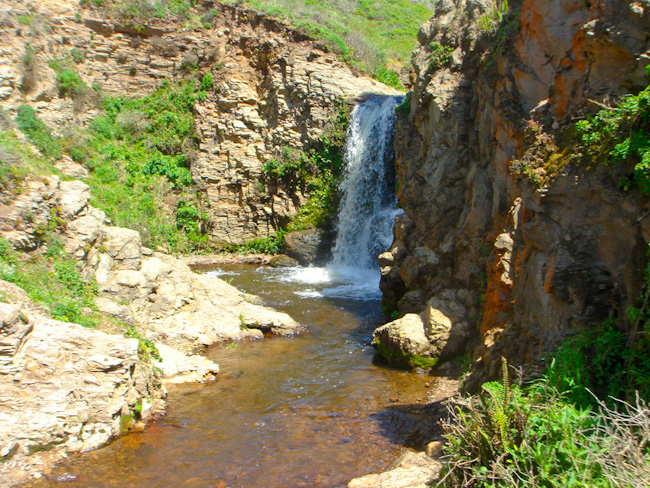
x=367, y=210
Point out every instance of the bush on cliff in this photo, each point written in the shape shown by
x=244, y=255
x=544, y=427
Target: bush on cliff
x=52, y=280
x=621, y=135
x=139, y=153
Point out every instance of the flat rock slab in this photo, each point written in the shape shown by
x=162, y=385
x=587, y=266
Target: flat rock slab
x=412, y=470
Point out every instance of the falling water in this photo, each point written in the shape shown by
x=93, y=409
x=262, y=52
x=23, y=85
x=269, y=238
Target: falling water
x=367, y=209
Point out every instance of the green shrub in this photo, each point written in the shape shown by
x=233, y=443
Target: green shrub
x=511, y=437
x=264, y=245
x=405, y=106
x=493, y=17
x=70, y=83
x=440, y=56
x=52, y=280
x=620, y=135
x=206, y=82
x=388, y=77
x=17, y=161
x=595, y=360
x=77, y=55
x=38, y=132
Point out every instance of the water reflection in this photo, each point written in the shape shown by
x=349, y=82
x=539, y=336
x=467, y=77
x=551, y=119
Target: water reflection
x=311, y=410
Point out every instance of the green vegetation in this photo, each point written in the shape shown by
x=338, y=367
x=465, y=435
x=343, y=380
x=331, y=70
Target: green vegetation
x=536, y=436
x=77, y=55
x=317, y=171
x=621, y=135
x=377, y=36
x=139, y=152
x=146, y=348
x=263, y=245
x=52, y=280
x=618, y=135
x=68, y=80
x=17, y=160
x=38, y=132
x=140, y=11
x=440, y=56
x=493, y=17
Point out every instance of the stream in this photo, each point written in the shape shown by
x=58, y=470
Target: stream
x=314, y=410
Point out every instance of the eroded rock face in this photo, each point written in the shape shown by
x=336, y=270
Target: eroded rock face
x=526, y=266
x=64, y=387
x=274, y=89
x=156, y=292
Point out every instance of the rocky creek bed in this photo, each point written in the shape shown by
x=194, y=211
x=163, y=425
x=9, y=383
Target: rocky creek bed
x=310, y=410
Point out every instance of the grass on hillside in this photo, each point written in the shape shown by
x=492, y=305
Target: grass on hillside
x=376, y=36
x=52, y=280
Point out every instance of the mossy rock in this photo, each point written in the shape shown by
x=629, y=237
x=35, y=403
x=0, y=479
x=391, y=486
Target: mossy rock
x=402, y=359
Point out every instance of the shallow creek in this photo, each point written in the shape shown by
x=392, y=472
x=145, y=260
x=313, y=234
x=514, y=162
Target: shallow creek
x=314, y=410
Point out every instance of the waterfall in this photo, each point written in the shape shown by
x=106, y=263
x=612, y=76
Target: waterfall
x=367, y=209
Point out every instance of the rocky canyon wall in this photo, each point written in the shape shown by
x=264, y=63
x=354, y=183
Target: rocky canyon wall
x=487, y=260
x=274, y=89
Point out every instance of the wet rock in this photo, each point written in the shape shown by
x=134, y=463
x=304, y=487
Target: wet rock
x=283, y=261
x=180, y=368
x=303, y=245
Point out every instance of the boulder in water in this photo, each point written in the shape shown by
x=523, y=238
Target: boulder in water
x=283, y=261
x=303, y=245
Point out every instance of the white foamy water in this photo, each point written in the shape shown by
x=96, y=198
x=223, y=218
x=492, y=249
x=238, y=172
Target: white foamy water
x=366, y=214
x=367, y=211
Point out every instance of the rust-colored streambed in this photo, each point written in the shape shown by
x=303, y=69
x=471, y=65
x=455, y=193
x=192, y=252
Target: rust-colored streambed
x=314, y=410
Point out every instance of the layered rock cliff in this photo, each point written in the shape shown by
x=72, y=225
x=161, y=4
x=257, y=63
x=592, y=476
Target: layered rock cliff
x=274, y=89
x=503, y=260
